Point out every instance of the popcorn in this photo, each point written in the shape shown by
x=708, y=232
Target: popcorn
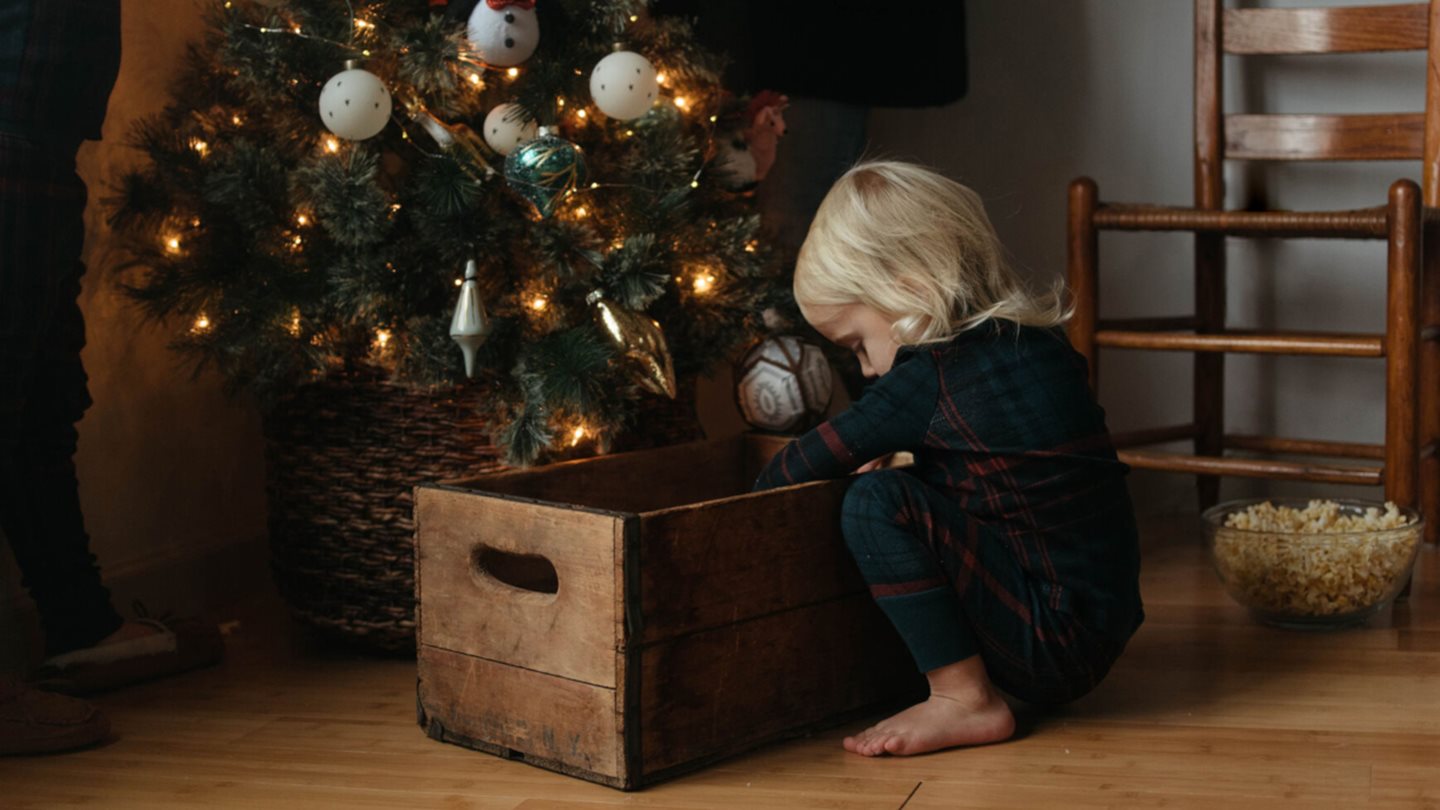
x=1276, y=558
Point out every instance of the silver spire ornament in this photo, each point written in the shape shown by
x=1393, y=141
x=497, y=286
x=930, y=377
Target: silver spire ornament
x=470, y=325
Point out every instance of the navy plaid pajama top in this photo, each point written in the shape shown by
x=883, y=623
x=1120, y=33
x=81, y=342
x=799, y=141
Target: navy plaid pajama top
x=1001, y=418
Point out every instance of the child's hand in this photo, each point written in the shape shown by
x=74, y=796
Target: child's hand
x=876, y=464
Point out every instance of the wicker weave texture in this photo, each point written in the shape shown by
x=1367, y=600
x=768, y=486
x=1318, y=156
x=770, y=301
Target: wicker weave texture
x=343, y=457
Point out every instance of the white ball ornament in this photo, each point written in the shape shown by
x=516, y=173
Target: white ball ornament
x=624, y=85
x=504, y=32
x=783, y=385
x=507, y=126
x=355, y=104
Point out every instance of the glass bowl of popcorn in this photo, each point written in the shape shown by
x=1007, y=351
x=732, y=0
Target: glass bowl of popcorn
x=1300, y=563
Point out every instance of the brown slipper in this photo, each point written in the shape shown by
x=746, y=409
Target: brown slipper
x=36, y=722
x=176, y=646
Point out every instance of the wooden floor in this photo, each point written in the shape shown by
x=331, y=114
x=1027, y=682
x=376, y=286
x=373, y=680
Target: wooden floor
x=1205, y=710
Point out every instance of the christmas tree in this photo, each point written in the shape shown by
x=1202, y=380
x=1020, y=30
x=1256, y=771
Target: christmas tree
x=529, y=190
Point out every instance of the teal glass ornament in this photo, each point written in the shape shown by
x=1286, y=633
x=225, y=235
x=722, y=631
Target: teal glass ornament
x=545, y=170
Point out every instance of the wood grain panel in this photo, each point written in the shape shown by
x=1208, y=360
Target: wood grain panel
x=1403, y=27
x=1388, y=136
x=708, y=695
x=570, y=633
x=565, y=724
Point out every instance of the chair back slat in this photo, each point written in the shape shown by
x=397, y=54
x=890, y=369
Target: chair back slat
x=1351, y=29
x=1388, y=136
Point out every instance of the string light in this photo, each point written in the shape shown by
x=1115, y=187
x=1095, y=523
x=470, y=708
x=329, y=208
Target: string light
x=394, y=207
x=301, y=219
x=297, y=242
x=202, y=324
x=578, y=434
x=199, y=146
x=194, y=222
x=539, y=303
x=475, y=79
x=172, y=243
x=295, y=28
x=332, y=144
x=661, y=78
x=459, y=282
x=513, y=72
x=594, y=185
x=294, y=327
x=382, y=338
x=694, y=184
x=581, y=115
x=682, y=102
x=751, y=246
x=634, y=17
x=582, y=212
x=703, y=283
x=237, y=120
x=362, y=24
x=560, y=101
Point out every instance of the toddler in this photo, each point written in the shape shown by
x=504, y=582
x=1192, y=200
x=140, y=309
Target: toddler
x=1006, y=556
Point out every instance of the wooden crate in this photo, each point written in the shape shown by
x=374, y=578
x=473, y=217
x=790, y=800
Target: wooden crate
x=628, y=618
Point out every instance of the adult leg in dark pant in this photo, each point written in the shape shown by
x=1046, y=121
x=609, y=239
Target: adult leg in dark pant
x=43, y=391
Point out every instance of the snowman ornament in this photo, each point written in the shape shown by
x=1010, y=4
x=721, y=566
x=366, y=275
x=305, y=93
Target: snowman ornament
x=504, y=32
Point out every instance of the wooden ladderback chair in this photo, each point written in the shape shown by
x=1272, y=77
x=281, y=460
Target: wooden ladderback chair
x=1406, y=464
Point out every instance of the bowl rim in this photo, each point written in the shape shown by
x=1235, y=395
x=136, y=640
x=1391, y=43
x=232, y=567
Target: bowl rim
x=1211, y=517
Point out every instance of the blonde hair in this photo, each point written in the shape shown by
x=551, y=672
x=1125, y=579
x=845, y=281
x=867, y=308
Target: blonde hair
x=917, y=247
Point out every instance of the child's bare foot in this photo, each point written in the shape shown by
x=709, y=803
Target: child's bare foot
x=961, y=710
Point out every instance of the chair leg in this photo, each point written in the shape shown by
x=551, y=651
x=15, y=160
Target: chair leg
x=1402, y=344
x=1429, y=395
x=1209, y=384
x=1082, y=274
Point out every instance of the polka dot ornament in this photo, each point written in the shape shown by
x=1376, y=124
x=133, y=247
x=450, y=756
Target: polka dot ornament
x=624, y=85
x=355, y=104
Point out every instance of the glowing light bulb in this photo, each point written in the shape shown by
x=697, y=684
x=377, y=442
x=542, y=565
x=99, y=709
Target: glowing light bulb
x=237, y=120
x=459, y=282
x=382, y=337
x=302, y=220
x=195, y=222
x=539, y=303
x=294, y=327
x=394, y=207
x=297, y=242
x=594, y=185
x=199, y=146
x=694, y=184
x=332, y=144
x=751, y=246
x=634, y=17
x=475, y=79
x=581, y=115
x=172, y=244
x=682, y=102
x=578, y=434
x=295, y=28
x=362, y=24
x=560, y=101
x=661, y=78
x=513, y=72
x=202, y=323
x=582, y=212
x=703, y=283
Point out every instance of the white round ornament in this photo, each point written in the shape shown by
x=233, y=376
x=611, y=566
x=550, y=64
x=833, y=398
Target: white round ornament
x=355, y=104
x=623, y=85
x=504, y=32
x=783, y=384
x=507, y=126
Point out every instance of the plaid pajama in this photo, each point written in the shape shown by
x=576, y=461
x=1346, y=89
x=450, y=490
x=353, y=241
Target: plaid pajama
x=1013, y=535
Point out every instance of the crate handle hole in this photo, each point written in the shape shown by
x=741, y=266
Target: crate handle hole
x=525, y=572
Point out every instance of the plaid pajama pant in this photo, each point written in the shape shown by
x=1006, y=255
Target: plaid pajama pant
x=954, y=587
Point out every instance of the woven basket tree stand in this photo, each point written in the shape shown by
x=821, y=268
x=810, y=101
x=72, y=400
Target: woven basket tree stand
x=343, y=455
